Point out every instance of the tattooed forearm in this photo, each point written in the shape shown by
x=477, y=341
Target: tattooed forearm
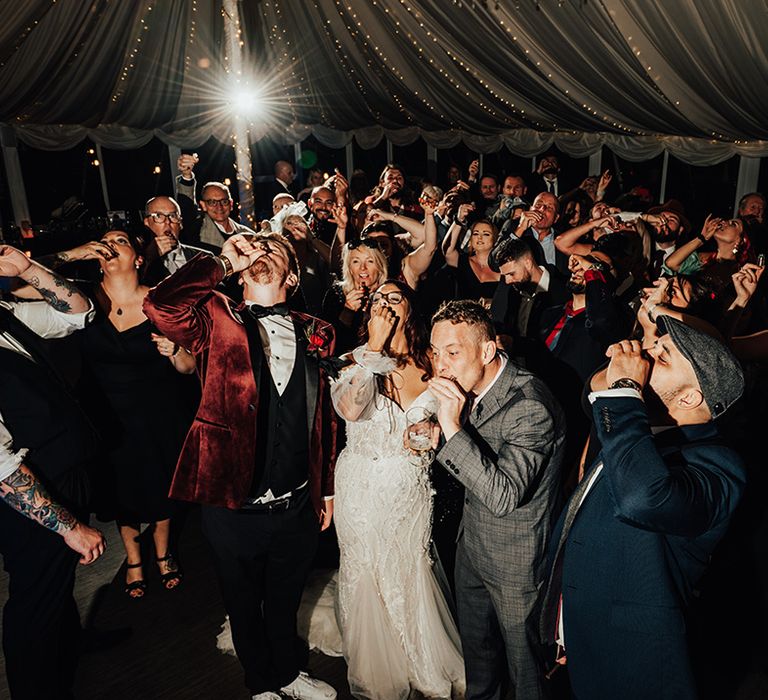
x=59, y=304
x=24, y=493
x=66, y=285
x=56, y=301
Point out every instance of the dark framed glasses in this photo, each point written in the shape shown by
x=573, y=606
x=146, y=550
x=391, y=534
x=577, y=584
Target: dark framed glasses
x=159, y=217
x=392, y=298
x=598, y=264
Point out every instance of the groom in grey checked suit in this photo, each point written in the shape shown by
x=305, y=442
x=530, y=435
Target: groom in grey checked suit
x=504, y=437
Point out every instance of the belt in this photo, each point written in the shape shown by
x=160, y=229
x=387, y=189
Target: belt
x=279, y=505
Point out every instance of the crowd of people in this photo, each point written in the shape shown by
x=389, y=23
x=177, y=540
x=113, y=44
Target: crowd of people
x=574, y=357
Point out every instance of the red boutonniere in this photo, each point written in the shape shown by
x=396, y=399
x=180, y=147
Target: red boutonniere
x=318, y=339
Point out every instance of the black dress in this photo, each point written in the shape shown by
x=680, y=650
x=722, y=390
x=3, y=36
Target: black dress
x=142, y=408
x=468, y=286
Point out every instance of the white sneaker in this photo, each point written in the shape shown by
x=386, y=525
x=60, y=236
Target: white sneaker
x=304, y=687
x=269, y=695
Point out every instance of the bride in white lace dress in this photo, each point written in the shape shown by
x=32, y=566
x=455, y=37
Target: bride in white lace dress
x=398, y=632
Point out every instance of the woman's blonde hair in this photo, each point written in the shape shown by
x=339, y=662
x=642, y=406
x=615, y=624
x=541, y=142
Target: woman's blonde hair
x=371, y=247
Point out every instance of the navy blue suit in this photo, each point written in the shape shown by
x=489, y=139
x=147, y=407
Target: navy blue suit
x=639, y=542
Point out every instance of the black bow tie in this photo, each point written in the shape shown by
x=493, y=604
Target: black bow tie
x=258, y=311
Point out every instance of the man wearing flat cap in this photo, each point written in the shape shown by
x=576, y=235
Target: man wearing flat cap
x=638, y=531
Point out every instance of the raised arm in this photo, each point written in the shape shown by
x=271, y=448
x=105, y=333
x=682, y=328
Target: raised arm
x=354, y=392
x=568, y=241
x=687, y=500
x=414, y=228
x=675, y=261
x=341, y=216
x=417, y=261
x=58, y=292
x=177, y=306
x=451, y=244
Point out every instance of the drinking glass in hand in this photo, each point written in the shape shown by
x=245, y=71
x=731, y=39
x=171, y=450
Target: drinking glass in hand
x=420, y=422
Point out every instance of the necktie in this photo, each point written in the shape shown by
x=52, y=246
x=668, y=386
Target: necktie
x=469, y=404
x=258, y=311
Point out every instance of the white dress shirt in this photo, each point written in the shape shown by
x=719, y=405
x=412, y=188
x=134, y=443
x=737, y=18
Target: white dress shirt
x=278, y=339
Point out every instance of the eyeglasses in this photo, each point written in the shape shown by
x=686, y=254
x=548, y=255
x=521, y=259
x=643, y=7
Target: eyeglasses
x=392, y=298
x=218, y=202
x=159, y=217
x=598, y=264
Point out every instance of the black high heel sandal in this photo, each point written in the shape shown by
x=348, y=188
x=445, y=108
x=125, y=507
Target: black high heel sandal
x=139, y=585
x=171, y=575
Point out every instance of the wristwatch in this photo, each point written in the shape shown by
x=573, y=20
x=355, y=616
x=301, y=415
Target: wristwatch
x=626, y=383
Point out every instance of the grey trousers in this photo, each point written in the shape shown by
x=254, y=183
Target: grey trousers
x=498, y=628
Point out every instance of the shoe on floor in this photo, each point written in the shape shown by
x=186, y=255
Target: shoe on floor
x=269, y=695
x=304, y=687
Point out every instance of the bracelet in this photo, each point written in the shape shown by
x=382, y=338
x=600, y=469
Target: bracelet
x=227, y=264
x=701, y=238
x=627, y=383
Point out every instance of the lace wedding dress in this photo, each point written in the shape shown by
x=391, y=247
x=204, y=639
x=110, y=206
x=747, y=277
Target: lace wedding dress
x=398, y=633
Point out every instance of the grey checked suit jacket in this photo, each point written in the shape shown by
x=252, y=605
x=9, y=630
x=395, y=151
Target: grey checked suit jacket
x=508, y=456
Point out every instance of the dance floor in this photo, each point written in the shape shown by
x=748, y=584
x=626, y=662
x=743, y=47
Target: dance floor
x=171, y=652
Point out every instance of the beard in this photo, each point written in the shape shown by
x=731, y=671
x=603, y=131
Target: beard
x=262, y=272
x=576, y=287
x=550, y=172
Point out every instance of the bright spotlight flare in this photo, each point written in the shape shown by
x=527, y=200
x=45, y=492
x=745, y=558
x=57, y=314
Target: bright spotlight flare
x=247, y=102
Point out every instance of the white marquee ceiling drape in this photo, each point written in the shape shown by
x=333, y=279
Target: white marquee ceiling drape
x=639, y=76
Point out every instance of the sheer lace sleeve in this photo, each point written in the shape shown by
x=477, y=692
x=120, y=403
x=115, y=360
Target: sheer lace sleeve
x=354, y=392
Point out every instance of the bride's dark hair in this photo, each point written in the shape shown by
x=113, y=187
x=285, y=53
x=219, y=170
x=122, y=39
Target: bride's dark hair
x=414, y=328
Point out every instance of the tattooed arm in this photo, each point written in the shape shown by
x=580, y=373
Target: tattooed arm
x=60, y=294
x=22, y=491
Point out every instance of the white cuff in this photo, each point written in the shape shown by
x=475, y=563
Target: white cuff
x=614, y=394
x=375, y=362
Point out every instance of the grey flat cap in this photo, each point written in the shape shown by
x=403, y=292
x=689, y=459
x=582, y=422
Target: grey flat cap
x=718, y=371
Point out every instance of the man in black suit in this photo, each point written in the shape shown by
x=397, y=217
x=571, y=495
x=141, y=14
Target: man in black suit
x=45, y=445
x=547, y=178
x=576, y=335
x=536, y=226
x=527, y=291
x=284, y=175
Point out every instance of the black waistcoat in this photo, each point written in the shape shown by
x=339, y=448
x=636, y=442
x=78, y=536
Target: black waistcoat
x=42, y=416
x=282, y=441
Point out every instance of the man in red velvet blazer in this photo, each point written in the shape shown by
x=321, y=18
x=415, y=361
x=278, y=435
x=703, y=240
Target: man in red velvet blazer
x=259, y=456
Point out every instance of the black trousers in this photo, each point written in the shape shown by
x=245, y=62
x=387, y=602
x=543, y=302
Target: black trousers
x=41, y=624
x=262, y=561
